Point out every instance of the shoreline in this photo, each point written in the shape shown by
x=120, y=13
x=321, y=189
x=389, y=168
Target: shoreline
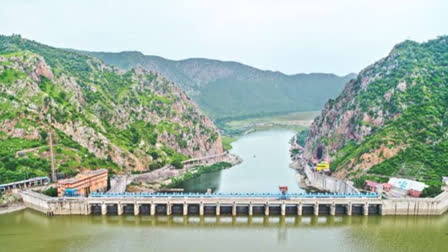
x=174, y=183
x=314, y=180
x=11, y=208
x=160, y=179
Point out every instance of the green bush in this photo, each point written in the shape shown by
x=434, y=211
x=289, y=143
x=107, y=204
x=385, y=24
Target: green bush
x=156, y=165
x=431, y=191
x=177, y=164
x=52, y=192
x=175, y=182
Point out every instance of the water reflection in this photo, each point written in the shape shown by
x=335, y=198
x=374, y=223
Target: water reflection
x=210, y=180
x=266, y=166
x=241, y=233
x=247, y=221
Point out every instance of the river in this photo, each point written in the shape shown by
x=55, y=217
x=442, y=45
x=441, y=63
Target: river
x=265, y=166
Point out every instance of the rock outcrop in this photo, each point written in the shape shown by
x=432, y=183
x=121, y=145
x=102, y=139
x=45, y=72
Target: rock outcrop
x=391, y=120
x=134, y=119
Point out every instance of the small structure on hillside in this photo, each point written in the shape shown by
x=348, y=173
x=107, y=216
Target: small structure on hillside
x=413, y=188
x=377, y=187
x=323, y=167
x=84, y=183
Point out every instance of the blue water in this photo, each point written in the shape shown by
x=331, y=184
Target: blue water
x=265, y=166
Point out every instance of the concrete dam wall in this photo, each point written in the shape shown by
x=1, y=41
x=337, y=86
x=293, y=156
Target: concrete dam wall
x=135, y=204
x=55, y=206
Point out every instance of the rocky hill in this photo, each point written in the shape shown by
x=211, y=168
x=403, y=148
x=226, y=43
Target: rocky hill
x=99, y=116
x=231, y=90
x=392, y=120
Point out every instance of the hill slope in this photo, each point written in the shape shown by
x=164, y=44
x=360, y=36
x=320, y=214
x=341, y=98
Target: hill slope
x=230, y=90
x=100, y=116
x=391, y=121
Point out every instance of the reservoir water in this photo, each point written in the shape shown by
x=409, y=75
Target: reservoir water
x=31, y=231
x=265, y=166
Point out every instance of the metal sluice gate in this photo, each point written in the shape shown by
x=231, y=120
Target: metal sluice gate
x=235, y=195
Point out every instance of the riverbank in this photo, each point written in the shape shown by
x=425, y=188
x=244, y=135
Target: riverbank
x=265, y=167
x=227, y=142
x=11, y=203
x=295, y=151
x=312, y=180
x=196, y=172
x=160, y=179
x=12, y=207
x=296, y=121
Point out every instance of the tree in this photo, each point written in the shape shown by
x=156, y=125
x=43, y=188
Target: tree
x=431, y=191
x=43, y=136
x=177, y=164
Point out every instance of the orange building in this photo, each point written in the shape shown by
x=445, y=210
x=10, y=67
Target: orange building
x=85, y=182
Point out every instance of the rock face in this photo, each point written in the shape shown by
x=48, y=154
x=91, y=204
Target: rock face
x=134, y=119
x=226, y=90
x=385, y=122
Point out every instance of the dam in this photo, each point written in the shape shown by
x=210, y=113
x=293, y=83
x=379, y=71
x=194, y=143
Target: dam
x=234, y=204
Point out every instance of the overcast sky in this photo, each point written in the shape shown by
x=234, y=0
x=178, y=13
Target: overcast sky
x=292, y=36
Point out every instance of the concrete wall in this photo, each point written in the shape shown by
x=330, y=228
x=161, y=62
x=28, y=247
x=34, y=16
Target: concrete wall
x=119, y=183
x=55, y=206
x=80, y=206
x=416, y=206
x=327, y=183
x=36, y=201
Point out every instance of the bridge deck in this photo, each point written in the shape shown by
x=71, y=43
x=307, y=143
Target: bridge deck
x=238, y=195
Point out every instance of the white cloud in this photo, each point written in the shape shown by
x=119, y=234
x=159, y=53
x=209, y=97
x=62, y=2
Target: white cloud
x=292, y=36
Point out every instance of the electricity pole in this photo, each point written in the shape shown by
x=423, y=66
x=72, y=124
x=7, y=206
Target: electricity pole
x=53, y=173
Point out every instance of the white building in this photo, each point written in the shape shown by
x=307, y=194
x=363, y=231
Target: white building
x=407, y=184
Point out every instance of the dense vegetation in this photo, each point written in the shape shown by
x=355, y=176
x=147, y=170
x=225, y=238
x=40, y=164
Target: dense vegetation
x=409, y=91
x=301, y=137
x=196, y=172
x=99, y=116
x=229, y=90
x=70, y=156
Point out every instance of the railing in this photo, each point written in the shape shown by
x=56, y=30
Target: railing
x=234, y=195
x=22, y=183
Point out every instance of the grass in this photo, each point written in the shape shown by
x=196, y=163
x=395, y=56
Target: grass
x=227, y=142
x=296, y=121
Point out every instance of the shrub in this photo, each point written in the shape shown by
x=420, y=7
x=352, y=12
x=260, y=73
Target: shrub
x=43, y=136
x=431, y=191
x=177, y=164
x=52, y=192
x=156, y=165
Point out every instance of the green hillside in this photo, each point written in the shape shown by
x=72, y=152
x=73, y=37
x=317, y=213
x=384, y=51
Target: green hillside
x=99, y=116
x=392, y=120
x=230, y=90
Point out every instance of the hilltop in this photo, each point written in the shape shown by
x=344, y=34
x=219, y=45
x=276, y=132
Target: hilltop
x=228, y=90
x=99, y=116
x=392, y=120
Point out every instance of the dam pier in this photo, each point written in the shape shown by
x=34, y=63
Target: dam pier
x=234, y=204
